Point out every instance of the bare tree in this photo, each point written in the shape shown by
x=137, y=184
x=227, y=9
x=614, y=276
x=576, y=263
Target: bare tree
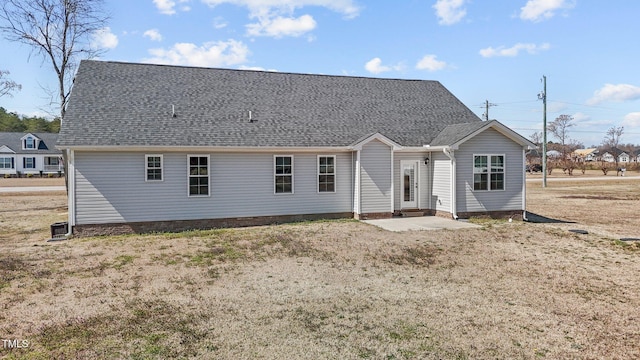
x=58, y=30
x=7, y=86
x=559, y=128
x=612, y=141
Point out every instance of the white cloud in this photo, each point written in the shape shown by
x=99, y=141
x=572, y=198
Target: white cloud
x=450, y=11
x=375, y=66
x=279, y=26
x=429, y=62
x=261, y=7
x=104, y=39
x=538, y=10
x=514, y=50
x=167, y=7
x=631, y=120
x=618, y=93
x=276, y=17
x=211, y=54
x=219, y=23
x=153, y=34
x=256, y=68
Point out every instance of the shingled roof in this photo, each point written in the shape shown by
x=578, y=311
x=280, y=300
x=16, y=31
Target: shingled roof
x=126, y=104
x=46, y=145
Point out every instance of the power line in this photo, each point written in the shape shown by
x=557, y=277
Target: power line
x=487, y=105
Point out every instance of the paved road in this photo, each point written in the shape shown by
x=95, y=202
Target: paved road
x=582, y=178
x=14, y=189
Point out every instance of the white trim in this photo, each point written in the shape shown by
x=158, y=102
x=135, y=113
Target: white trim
x=71, y=191
x=146, y=168
x=499, y=127
x=292, y=175
x=36, y=141
x=524, y=183
x=452, y=182
x=210, y=149
x=4, y=149
x=377, y=136
x=358, y=185
x=392, y=185
x=335, y=176
x=189, y=156
x=504, y=172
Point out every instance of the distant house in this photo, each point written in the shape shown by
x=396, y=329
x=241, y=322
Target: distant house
x=29, y=154
x=585, y=155
x=554, y=154
x=607, y=157
x=624, y=158
x=157, y=148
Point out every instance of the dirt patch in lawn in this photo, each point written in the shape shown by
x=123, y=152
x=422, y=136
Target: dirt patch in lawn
x=32, y=181
x=336, y=289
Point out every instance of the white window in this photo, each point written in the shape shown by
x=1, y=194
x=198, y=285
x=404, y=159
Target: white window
x=29, y=143
x=29, y=163
x=6, y=163
x=198, y=175
x=488, y=172
x=326, y=173
x=153, y=167
x=283, y=174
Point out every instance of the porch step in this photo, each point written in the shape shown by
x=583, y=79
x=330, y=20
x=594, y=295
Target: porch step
x=412, y=213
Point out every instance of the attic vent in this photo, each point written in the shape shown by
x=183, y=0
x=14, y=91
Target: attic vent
x=251, y=119
x=173, y=110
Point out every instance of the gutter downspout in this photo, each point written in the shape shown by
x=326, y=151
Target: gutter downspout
x=449, y=153
x=356, y=192
x=70, y=175
x=524, y=184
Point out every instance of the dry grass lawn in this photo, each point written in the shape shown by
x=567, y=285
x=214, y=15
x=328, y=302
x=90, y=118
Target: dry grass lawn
x=331, y=290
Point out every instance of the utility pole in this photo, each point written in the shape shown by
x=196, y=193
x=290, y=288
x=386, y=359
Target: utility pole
x=543, y=96
x=487, y=104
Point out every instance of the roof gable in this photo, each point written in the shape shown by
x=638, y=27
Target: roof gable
x=6, y=150
x=44, y=142
x=456, y=134
x=124, y=104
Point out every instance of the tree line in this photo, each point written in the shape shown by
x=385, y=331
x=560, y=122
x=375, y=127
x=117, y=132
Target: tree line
x=560, y=129
x=12, y=122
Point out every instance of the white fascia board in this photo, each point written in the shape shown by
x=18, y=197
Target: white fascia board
x=377, y=136
x=210, y=149
x=424, y=148
x=504, y=130
x=4, y=149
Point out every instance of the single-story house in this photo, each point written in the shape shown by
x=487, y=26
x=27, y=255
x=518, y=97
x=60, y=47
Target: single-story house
x=162, y=148
x=29, y=154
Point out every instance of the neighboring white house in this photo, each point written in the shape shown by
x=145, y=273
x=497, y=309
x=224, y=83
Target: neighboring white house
x=29, y=154
x=167, y=148
x=624, y=158
x=607, y=157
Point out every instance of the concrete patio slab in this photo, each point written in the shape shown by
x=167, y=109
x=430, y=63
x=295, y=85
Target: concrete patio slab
x=420, y=223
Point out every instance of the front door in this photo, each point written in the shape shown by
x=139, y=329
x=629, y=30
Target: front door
x=409, y=195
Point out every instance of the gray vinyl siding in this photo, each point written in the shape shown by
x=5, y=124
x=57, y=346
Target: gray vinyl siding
x=441, y=198
x=424, y=179
x=111, y=188
x=375, y=178
x=494, y=143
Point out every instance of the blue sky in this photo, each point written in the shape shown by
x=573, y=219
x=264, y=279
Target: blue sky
x=494, y=50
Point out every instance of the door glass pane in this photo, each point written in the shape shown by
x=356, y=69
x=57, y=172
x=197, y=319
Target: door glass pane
x=409, y=180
